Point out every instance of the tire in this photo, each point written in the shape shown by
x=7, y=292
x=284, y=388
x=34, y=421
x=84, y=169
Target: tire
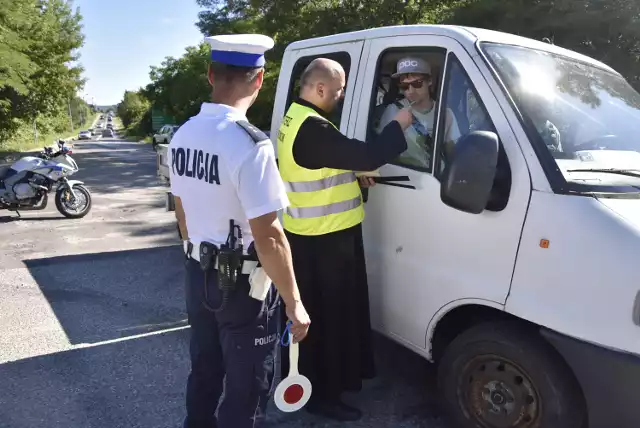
x=504, y=375
x=154, y=144
x=62, y=209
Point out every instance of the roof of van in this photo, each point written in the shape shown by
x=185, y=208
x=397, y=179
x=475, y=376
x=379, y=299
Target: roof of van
x=467, y=36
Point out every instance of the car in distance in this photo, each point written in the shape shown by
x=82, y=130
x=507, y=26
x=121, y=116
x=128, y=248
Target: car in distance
x=164, y=135
x=84, y=135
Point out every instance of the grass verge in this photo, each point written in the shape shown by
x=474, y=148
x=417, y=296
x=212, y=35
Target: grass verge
x=133, y=134
x=26, y=143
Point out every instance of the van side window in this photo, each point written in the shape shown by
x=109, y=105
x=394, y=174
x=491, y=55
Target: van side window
x=462, y=109
x=418, y=82
x=294, y=85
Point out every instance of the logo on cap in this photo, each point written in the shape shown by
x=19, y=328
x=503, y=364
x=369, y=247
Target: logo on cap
x=408, y=63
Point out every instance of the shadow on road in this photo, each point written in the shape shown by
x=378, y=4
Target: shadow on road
x=98, y=297
x=141, y=382
x=124, y=168
x=132, y=383
x=113, y=296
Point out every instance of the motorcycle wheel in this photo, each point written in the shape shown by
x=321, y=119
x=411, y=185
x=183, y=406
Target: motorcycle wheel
x=61, y=204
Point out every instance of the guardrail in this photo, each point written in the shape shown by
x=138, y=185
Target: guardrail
x=162, y=159
x=162, y=170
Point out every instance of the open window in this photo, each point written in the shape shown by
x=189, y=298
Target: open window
x=388, y=97
x=294, y=85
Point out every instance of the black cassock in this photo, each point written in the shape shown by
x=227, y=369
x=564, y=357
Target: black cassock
x=330, y=269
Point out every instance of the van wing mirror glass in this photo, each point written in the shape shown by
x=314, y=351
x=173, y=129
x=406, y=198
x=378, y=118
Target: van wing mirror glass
x=468, y=178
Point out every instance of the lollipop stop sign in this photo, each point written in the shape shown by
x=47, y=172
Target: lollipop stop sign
x=294, y=391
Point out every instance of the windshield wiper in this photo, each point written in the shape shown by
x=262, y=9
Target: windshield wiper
x=628, y=172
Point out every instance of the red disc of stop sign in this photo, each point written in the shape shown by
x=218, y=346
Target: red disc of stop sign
x=294, y=391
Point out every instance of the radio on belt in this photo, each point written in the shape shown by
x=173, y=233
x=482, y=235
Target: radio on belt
x=230, y=258
x=228, y=261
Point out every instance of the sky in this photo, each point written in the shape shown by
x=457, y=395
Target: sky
x=123, y=38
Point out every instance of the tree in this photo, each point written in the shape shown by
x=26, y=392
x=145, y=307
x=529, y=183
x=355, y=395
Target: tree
x=132, y=108
x=607, y=31
x=179, y=86
x=290, y=20
x=38, y=80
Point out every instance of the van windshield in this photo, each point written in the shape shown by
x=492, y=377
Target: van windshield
x=588, y=118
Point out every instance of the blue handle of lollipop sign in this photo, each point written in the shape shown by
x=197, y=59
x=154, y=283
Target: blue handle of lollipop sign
x=286, y=334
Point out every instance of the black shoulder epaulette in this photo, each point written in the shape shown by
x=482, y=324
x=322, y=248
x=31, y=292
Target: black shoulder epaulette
x=255, y=134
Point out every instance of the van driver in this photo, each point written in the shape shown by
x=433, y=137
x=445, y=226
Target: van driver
x=414, y=81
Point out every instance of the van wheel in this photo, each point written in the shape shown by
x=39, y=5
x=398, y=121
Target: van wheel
x=504, y=375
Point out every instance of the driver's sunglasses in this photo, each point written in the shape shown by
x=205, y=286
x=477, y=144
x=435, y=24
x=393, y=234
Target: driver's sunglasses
x=416, y=84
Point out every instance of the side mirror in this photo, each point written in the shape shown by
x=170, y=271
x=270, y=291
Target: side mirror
x=467, y=180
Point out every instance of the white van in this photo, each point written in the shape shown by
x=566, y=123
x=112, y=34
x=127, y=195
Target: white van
x=513, y=264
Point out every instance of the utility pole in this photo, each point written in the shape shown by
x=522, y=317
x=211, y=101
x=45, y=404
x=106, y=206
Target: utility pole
x=70, y=117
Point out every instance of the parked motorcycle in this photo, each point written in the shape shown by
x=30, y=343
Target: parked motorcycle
x=25, y=185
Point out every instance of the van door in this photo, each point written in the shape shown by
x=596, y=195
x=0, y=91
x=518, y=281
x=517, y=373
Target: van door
x=423, y=255
x=294, y=63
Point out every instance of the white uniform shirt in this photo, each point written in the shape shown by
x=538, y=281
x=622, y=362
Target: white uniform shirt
x=220, y=173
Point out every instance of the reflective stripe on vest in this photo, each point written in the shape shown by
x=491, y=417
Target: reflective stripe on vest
x=321, y=184
x=334, y=208
x=321, y=200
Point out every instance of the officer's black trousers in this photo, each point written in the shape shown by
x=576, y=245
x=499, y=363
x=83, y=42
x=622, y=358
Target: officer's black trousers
x=237, y=345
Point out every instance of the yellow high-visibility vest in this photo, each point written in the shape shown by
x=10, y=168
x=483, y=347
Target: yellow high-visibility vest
x=321, y=200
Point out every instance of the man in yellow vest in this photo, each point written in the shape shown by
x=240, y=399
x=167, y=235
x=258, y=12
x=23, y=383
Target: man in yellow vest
x=323, y=226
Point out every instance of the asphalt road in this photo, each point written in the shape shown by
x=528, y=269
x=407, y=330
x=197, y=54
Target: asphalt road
x=93, y=329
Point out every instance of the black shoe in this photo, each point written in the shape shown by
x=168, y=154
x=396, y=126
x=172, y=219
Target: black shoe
x=335, y=409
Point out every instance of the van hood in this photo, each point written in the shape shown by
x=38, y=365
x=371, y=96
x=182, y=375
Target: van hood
x=629, y=209
x=601, y=159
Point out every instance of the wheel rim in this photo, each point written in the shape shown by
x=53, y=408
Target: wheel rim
x=497, y=393
x=75, y=205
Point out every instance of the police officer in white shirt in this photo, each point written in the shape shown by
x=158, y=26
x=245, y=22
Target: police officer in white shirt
x=227, y=193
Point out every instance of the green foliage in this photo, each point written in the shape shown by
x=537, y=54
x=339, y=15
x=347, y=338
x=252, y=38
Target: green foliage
x=135, y=112
x=48, y=130
x=290, y=20
x=132, y=108
x=179, y=86
x=38, y=80
x=608, y=31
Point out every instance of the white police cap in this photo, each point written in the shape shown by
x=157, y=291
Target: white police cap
x=245, y=50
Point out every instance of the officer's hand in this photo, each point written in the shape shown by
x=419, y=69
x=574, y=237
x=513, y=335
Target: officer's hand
x=299, y=321
x=366, y=182
x=404, y=117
